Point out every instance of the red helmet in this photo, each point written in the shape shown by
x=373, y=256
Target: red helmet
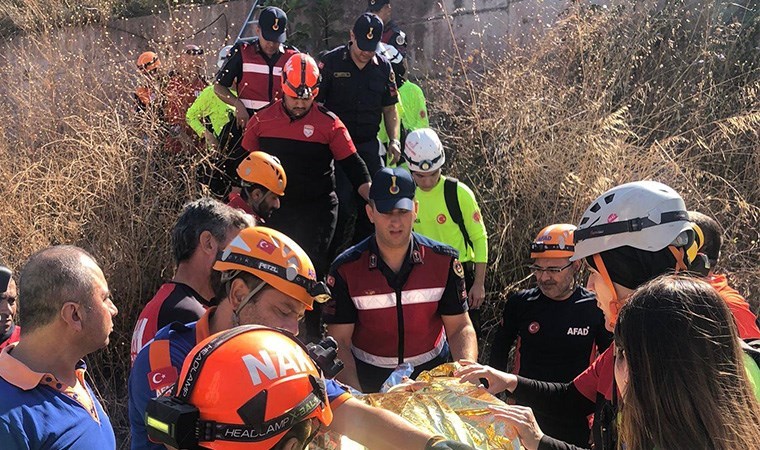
x=148, y=62
x=300, y=77
x=243, y=388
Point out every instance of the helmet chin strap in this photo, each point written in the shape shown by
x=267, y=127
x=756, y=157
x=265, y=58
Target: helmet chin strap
x=680, y=255
x=244, y=302
x=614, y=303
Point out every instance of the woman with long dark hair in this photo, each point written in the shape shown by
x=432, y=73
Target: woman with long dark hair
x=680, y=371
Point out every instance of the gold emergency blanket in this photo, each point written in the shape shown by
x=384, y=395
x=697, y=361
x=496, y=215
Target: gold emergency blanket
x=444, y=406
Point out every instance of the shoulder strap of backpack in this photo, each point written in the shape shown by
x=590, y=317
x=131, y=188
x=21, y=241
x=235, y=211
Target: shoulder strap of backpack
x=455, y=211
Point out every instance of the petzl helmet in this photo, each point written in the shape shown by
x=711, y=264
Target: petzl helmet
x=390, y=53
x=277, y=260
x=423, y=151
x=148, y=62
x=300, y=77
x=243, y=388
x=554, y=241
x=224, y=54
x=645, y=215
x=264, y=169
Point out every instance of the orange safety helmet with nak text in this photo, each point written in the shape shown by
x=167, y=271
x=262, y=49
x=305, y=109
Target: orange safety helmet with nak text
x=243, y=388
x=148, y=62
x=264, y=169
x=300, y=77
x=275, y=259
x=554, y=241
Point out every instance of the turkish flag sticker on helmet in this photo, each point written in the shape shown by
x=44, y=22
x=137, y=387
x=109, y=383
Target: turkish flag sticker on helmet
x=266, y=246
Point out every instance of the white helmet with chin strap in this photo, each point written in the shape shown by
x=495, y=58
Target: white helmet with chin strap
x=423, y=151
x=646, y=215
x=224, y=54
x=390, y=53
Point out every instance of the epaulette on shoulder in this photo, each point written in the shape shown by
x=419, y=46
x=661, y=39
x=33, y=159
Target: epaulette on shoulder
x=321, y=108
x=351, y=253
x=437, y=247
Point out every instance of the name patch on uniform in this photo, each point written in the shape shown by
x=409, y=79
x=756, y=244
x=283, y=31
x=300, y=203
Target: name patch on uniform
x=342, y=74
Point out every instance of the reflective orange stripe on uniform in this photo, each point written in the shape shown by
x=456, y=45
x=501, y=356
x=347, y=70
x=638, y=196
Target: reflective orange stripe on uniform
x=159, y=354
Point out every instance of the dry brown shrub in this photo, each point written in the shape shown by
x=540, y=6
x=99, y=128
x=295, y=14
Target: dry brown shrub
x=79, y=166
x=607, y=97
x=604, y=98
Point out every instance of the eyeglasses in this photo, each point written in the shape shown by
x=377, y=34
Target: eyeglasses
x=554, y=270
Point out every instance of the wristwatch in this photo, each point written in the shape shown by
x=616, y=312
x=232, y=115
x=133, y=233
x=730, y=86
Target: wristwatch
x=395, y=141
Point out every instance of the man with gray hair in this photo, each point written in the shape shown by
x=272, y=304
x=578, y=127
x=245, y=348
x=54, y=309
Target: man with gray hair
x=203, y=229
x=67, y=314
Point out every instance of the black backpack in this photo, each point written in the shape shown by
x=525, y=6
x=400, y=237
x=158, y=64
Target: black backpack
x=455, y=211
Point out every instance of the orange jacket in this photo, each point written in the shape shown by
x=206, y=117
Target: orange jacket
x=745, y=319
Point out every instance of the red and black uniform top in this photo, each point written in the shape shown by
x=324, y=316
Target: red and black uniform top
x=306, y=147
x=258, y=76
x=180, y=92
x=396, y=316
x=357, y=96
x=174, y=302
x=555, y=341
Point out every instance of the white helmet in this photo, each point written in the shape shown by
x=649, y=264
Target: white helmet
x=224, y=53
x=646, y=215
x=424, y=151
x=390, y=53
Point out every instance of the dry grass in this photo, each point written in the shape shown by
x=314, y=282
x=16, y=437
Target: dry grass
x=608, y=97
x=605, y=97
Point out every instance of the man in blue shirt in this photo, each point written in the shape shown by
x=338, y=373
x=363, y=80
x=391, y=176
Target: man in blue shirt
x=267, y=279
x=67, y=313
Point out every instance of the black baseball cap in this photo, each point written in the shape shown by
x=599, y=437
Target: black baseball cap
x=272, y=22
x=392, y=188
x=368, y=29
x=376, y=5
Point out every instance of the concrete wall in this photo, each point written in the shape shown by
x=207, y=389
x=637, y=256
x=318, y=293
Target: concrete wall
x=432, y=28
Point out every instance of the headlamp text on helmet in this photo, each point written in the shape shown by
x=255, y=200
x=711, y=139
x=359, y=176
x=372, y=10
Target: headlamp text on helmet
x=175, y=420
x=318, y=290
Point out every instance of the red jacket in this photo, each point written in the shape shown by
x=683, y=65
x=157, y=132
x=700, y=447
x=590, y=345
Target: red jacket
x=746, y=320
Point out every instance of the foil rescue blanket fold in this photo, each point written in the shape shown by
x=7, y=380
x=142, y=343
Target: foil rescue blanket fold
x=441, y=405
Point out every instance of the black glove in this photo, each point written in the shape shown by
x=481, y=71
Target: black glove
x=440, y=443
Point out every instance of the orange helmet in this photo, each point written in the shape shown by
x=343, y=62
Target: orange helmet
x=277, y=260
x=148, y=62
x=243, y=388
x=554, y=241
x=300, y=77
x=264, y=169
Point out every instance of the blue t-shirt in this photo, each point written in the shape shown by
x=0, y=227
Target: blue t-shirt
x=45, y=418
x=146, y=384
